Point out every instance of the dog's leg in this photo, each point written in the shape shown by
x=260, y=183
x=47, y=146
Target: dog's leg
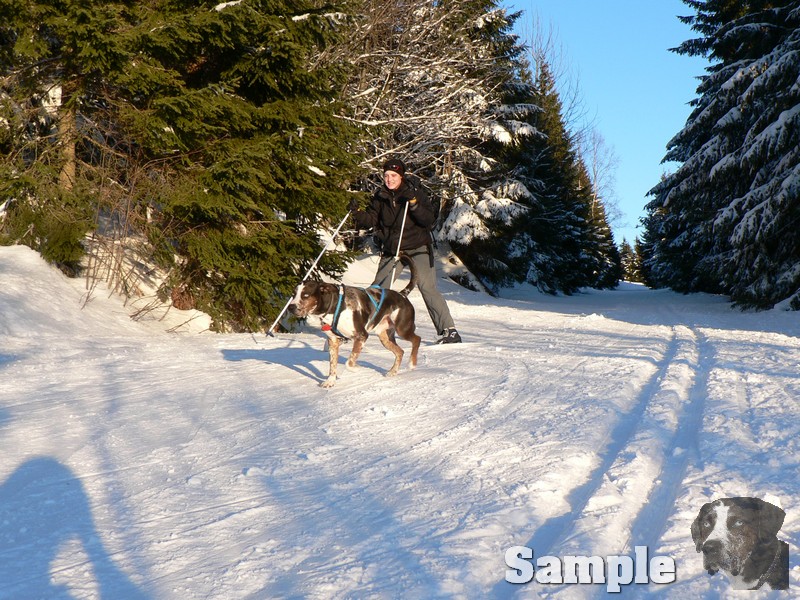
x=406, y=329
x=333, y=357
x=415, y=341
x=390, y=345
x=358, y=344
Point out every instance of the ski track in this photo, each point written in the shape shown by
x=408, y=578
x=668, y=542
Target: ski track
x=597, y=504
x=215, y=467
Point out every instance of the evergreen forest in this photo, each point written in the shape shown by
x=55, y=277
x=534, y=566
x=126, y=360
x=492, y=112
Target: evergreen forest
x=204, y=148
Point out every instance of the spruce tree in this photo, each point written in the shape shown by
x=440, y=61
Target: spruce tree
x=263, y=162
x=494, y=192
x=207, y=127
x=640, y=270
x=603, y=263
x=546, y=162
x=726, y=220
x=54, y=56
x=555, y=235
x=627, y=259
x=631, y=261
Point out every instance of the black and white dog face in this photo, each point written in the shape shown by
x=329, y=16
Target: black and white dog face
x=737, y=536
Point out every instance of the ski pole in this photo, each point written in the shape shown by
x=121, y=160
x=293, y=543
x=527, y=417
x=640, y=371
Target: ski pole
x=399, y=242
x=310, y=270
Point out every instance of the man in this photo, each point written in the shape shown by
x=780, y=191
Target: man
x=397, y=198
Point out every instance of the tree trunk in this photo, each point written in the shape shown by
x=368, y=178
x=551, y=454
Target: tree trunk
x=67, y=135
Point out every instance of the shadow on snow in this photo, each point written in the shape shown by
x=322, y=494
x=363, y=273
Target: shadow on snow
x=43, y=507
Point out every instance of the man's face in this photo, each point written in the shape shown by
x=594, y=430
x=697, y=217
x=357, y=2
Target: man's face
x=392, y=180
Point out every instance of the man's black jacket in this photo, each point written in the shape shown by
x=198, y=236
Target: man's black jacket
x=385, y=216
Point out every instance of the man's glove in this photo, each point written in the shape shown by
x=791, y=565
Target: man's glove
x=412, y=204
x=353, y=206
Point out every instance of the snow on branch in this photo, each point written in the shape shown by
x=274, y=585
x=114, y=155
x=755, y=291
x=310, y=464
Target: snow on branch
x=224, y=5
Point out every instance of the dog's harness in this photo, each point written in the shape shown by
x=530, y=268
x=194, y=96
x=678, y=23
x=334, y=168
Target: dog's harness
x=334, y=326
x=377, y=304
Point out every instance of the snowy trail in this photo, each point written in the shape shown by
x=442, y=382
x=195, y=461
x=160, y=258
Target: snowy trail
x=140, y=464
x=617, y=509
x=682, y=448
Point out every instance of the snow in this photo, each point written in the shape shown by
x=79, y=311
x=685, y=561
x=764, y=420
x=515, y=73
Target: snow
x=224, y=5
x=498, y=132
x=139, y=463
x=463, y=223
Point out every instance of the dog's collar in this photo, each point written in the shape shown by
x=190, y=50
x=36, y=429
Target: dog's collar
x=763, y=578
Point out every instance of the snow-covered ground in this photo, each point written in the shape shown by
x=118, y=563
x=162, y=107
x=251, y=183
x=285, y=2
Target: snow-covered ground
x=141, y=463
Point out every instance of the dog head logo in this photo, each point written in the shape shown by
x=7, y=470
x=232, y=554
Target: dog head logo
x=738, y=536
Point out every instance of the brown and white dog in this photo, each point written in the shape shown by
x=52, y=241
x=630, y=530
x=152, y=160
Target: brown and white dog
x=352, y=312
x=738, y=536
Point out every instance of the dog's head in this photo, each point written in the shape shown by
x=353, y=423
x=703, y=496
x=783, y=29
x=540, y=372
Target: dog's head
x=727, y=531
x=313, y=298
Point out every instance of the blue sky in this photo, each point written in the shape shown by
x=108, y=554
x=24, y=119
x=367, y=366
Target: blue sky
x=632, y=88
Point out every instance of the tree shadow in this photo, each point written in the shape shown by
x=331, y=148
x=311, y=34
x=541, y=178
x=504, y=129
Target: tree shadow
x=298, y=359
x=43, y=508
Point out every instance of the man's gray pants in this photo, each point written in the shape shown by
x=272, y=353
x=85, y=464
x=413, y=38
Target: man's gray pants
x=426, y=282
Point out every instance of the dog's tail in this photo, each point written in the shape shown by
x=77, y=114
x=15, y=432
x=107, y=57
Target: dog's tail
x=409, y=262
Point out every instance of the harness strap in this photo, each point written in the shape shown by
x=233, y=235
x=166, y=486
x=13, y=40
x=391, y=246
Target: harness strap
x=377, y=304
x=333, y=327
x=336, y=314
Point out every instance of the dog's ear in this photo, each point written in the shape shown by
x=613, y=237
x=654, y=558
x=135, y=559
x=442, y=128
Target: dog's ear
x=770, y=519
x=328, y=294
x=696, y=537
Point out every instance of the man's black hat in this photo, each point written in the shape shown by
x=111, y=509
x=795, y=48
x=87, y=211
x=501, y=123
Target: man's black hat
x=396, y=165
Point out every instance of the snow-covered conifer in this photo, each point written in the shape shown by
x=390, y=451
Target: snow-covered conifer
x=728, y=220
